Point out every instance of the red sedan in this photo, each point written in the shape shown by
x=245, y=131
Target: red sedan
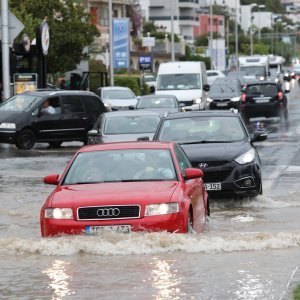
x=126, y=187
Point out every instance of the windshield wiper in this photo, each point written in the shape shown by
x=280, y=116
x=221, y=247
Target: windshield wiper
x=141, y=180
x=204, y=142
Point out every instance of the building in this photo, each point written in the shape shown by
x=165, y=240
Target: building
x=262, y=19
x=185, y=16
x=203, y=28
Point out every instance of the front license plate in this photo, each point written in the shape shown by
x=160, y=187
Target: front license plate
x=213, y=186
x=222, y=104
x=103, y=229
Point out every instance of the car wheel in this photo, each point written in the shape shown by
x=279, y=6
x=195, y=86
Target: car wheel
x=55, y=144
x=190, y=228
x=25, y=139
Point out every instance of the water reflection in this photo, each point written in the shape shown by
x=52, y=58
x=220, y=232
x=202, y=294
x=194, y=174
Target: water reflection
x=251, y=286
x=59, y=279
x=165, y=280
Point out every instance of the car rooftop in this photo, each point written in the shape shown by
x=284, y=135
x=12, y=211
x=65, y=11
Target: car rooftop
x=126, y=113
x=58, y=92
x=128, y=145
x=206, y=113
x=114, y=88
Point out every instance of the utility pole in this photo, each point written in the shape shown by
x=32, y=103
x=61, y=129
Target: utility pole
x=236, y=34
x=111, y=48
x=211, y=35
x=5, y=49
x=172, y=31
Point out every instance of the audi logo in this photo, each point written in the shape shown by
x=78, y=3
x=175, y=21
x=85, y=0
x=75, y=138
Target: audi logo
x=202, y=165
x=108, y=212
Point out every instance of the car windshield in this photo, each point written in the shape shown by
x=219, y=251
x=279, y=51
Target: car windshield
x=21, y=102
x=149, y=78
x=117, y=94
x=179, y=82
x=254, y=70
x=262, y=89
x=210, y=129
x=222, y=88
x=121, y=165
x=161, y=102
x=131, y=124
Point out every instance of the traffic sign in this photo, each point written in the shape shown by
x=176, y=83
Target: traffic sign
x=15, y=27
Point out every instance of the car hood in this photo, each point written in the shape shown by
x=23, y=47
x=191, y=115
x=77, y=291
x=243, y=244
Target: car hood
x=121, y=102
x=216, y=151
x=9, y=116
x=222, y=95
x=113, y=193
x=125, y=137
x=182, y=95
x=161, y=111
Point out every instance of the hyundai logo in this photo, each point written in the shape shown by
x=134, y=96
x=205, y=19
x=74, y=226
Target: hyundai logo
x=108, y=212
x=202, y=165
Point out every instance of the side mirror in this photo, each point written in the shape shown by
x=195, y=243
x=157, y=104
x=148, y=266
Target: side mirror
x=192, y=173
x=93, y=132
x=51, y=179
x=143, y=139
x=259, y=136
x=206, y=87
x=131, y=107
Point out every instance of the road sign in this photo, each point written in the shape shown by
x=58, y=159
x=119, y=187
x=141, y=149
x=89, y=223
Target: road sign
x=15, y=27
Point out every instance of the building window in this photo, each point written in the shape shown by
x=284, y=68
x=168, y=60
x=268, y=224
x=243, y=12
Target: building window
x=221, y=22
x=104, y=17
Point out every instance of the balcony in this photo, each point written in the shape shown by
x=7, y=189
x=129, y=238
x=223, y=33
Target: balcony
x=188, y=4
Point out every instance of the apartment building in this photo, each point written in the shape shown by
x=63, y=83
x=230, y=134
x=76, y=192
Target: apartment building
x=203, y=28
x=185, y=16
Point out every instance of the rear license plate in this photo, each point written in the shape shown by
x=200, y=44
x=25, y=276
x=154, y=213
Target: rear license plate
x=263, y=100
x=103, y=229
x=222, y=104
x=213, y=186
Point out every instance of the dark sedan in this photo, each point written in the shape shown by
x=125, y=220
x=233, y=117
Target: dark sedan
x=218, y=143
x=159, y=103
x=124, y=126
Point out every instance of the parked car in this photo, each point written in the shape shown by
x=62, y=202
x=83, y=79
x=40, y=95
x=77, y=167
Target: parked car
x=121, y=126
x=224, y=94
x=212, y=75
x=160, y=103
x=264, y=99
x=126, y=187
x=117, y=98
x=73, y=113
x=218, y=143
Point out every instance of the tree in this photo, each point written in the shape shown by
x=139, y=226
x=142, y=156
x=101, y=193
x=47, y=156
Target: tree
x=70, y=29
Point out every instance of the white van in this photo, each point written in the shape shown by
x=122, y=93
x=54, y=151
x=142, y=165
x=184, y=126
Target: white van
x=186, y=80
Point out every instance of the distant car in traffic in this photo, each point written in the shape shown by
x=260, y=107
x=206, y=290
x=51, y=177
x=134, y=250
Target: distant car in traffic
x=159, y=103
x=73, y=113
x=264, y=99
x=212, y=75
x=224, y=94
x=121, y=126
x=126, y=187
x=220, y=145
x=238, y=75
x=117, y=98
x=150, y=80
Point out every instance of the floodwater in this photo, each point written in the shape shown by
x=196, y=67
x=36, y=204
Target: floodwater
x=250, y=249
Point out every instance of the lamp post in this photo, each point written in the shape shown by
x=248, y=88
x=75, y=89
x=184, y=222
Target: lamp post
x=111, y=50
x=236, y=34
x=251, y=29
x=259, y=7
x=211, y=35
x=172, y=31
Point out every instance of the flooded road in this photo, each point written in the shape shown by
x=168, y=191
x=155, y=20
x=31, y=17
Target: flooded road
x=250, y=249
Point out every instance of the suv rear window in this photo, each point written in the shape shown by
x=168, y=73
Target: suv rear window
x=93, y=104
x=72, y=103
x=262, y=89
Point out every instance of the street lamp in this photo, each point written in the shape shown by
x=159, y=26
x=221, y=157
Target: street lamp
x=211, y=34
x=251, y=29
x=259, y=7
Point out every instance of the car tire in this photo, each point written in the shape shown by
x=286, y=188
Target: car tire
x=190, y=228
x=55, y=144
x=25, y=139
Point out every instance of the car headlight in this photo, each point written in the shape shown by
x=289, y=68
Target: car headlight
x=276, y=80
x=106, y=104
x=235, y=99
x=197, y=101
x=161, y=209
x=8, y=125
x=246, y=158
x=261, y=78
x=209, y=100
x=58, y=213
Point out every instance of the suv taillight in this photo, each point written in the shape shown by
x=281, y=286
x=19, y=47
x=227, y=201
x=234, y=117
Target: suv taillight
x=280, y=95
x=244, y=97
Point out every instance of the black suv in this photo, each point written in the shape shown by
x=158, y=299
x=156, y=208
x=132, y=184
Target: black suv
x=263, y=99
x=218, y=143
x=23, y=120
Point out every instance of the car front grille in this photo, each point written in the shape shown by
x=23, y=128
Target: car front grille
x=221, y=100
x=108, y=212
x=215, y=171
x=187, y=103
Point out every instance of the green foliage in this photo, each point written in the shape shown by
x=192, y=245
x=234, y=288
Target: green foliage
x=70, y=29
x=296, y=293
x=94, y=78
x=148, y=27
x=132, y=82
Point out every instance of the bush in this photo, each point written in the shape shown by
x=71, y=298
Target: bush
x=132, y=82
x=296, y=293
